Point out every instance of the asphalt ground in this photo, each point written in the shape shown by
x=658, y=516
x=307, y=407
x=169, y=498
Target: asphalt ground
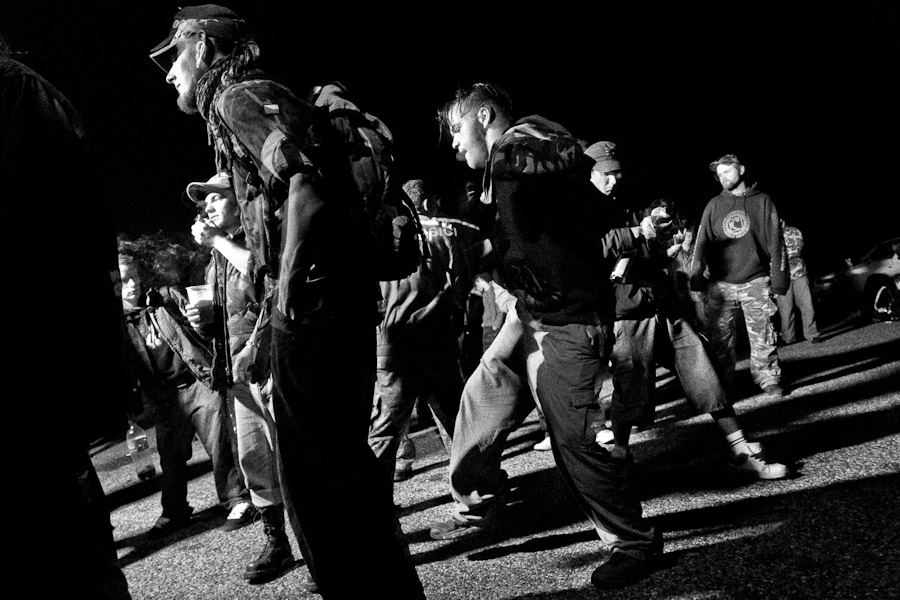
x=830, y=533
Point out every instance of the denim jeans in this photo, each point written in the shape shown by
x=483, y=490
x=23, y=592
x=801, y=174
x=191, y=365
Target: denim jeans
x=798, y=297
x=254, y=426
x=754, y=300
x=560, y=365
x=180, y=413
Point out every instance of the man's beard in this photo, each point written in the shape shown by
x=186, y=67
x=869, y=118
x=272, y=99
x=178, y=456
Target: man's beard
x=729, y=185
x=187, y=102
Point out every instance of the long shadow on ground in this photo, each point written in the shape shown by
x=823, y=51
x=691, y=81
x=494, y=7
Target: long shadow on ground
x=832, y=542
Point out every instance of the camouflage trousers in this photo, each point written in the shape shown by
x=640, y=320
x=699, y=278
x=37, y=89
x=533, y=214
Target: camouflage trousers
x=754, y=300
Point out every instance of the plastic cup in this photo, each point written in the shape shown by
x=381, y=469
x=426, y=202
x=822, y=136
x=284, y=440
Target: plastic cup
x=198, y=294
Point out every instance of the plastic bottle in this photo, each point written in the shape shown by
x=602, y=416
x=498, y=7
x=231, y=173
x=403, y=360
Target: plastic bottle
x=138, y=448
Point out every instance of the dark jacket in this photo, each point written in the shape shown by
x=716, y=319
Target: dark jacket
x=431, y=302
x=50, y=177
x=265, y=135
x=545, y=235
x=646, y=288
x=163, y=316
x=238, y=309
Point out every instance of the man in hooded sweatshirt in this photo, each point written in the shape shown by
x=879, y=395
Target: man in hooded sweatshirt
x=740, y=243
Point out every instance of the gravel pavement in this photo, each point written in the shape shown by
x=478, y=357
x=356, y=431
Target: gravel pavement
x=830, y=533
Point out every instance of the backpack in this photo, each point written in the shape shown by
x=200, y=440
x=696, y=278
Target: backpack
x=366, y=144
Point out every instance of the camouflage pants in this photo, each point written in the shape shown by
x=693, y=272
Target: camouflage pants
x=754, y=300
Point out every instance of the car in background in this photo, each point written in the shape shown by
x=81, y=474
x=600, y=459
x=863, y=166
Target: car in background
x=851, y=290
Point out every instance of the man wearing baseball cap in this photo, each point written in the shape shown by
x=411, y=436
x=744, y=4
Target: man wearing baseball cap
x=312, y=265
x=210, y=19
x=740, y=242
x=218, y=226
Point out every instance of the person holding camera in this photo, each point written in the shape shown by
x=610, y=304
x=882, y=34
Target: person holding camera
x=651, y=328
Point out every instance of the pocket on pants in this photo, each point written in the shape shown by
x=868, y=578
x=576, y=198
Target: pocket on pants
x=594, y=422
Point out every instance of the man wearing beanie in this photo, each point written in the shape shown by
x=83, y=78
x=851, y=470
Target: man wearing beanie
x=308, y=260
x=740, y=244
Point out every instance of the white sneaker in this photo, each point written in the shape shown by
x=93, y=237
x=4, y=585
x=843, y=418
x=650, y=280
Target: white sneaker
x=605, y=436
x=758, y=466
x=544, y=445
x=241, y=515
x=755, y=448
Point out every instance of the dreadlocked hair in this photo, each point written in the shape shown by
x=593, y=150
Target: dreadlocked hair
x=236, y=66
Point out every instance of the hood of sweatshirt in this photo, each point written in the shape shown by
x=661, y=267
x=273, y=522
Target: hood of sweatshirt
x=523, y=151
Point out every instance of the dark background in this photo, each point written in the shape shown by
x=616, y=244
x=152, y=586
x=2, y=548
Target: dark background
x=805, y=96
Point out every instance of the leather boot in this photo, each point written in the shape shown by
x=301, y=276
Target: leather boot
x=276, y=556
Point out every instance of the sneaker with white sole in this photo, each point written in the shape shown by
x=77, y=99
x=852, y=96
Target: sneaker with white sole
x=241, y=515
x=759, y=467
x=544, y=445
x=604, y=436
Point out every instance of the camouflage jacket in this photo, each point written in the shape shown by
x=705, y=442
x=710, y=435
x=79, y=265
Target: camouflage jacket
x=793, y=240
x=266, y=136
x=545, y=234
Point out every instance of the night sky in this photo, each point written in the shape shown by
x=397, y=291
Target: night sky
x=806, y=97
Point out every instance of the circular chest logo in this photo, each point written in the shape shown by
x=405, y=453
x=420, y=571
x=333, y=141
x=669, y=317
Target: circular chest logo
x=736, y=224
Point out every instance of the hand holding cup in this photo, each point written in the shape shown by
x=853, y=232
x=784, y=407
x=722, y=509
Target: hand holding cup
x=199, y=311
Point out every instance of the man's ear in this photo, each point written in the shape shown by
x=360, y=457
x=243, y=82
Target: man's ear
x=200, y=49
x=485, y=115
x=742, y=170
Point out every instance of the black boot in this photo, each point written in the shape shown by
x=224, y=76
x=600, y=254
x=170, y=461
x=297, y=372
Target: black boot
x=276, y=556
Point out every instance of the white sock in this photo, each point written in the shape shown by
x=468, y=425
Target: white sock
x=738, y=444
